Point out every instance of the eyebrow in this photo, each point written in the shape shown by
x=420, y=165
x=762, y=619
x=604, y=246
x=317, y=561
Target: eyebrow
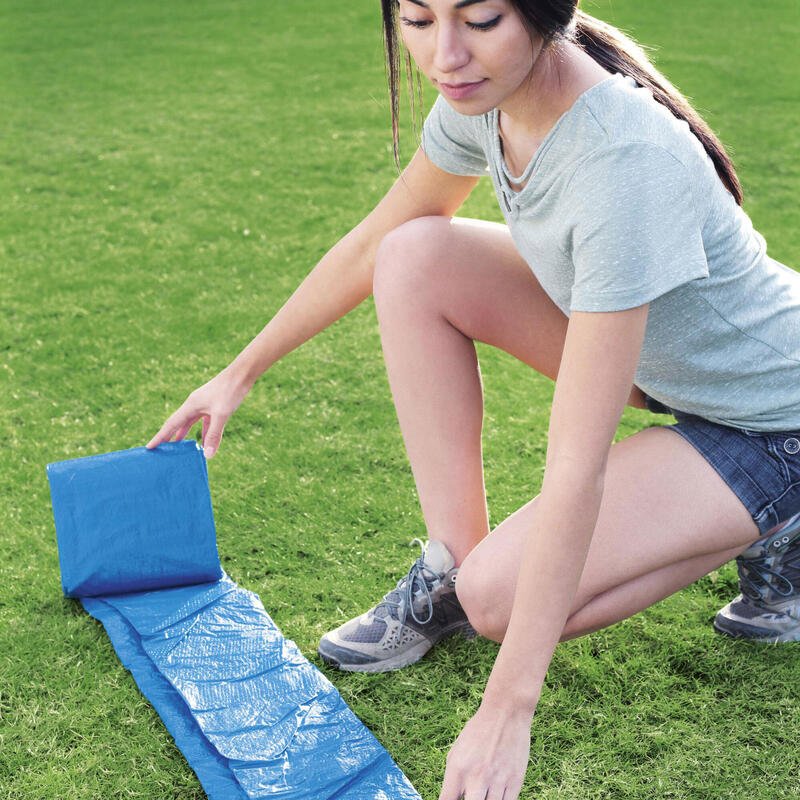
x=460, y=4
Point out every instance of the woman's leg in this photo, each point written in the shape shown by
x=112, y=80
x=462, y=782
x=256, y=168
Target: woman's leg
x=440, y=284
x=667, y=518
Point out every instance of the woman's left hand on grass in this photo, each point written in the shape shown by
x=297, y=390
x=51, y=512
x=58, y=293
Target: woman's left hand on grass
x=489, y=759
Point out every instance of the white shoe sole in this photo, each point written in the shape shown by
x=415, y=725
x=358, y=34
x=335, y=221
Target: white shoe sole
x=404, y=659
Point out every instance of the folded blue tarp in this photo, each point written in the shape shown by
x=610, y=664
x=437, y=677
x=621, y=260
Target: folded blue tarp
x=253, y=717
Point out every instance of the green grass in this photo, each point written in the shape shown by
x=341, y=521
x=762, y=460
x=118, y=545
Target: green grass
x=169, y=173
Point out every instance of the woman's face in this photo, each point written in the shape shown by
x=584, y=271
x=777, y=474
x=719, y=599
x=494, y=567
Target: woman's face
x=475, y=52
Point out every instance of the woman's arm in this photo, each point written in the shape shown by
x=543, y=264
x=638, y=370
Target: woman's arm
x=601, y=353
x=598, y=365
x=338, y=283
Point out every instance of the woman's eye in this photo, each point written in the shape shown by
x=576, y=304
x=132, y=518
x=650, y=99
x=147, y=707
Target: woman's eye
x=485, y=26
x=415, y=23
x=478, y=26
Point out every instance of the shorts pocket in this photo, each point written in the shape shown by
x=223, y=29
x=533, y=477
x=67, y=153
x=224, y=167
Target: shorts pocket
x=785, y=447
x=758, y=451
x=784, y=450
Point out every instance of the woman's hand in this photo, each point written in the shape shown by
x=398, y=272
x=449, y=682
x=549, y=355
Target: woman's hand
x=213, y=402
x=489, y=759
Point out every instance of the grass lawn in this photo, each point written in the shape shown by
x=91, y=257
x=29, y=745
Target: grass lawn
x=169, y=173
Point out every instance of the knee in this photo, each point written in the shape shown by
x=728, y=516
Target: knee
x=478, y=594
x=407, y=254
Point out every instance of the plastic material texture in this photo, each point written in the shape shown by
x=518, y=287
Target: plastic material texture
x=253, y=717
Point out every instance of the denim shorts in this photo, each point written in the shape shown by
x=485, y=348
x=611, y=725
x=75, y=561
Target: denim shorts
x=762, y=467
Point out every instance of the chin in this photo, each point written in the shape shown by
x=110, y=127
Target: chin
x=469, y=106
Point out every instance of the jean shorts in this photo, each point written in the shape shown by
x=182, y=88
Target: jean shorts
x=762, y=467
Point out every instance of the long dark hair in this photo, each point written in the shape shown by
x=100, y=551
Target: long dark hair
x=562, y=20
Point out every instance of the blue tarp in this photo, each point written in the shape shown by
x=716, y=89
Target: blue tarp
x=253, y=717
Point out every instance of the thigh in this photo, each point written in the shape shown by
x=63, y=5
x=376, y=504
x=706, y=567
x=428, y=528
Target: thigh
x=472, y=272
x=662, y=503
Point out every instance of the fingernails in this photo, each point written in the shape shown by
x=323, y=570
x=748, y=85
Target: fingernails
x=208, y=452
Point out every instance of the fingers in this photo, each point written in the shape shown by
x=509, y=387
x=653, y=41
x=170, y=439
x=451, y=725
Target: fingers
x=480, y=792
x=458, y=785
x=162, y=436
x=451, y=786
x=212, y=403
x=212, y=433
x=181, y=434
x=176, y=424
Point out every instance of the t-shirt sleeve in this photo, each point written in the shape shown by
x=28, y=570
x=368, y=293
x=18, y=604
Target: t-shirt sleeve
x=449, y=140
x=635, y=230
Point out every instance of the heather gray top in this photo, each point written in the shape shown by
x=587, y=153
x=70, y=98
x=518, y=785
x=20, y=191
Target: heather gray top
x=623, y=207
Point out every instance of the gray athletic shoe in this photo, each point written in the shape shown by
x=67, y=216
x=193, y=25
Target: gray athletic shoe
x=768, y=608
x=420, y=611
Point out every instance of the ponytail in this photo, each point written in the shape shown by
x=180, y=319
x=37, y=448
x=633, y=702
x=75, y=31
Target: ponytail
x=614, y=51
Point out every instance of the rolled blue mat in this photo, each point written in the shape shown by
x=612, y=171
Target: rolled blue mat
x=253, y=717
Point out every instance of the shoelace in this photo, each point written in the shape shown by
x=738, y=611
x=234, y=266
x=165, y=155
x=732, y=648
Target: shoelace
x=761, y=566
x=408, y=583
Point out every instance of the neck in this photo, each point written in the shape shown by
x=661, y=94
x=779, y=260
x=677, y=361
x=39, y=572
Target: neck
x=560, y=73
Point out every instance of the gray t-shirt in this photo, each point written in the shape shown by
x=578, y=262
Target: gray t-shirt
x=622, y=207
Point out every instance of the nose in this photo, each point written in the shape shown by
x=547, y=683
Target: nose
x=451, y=53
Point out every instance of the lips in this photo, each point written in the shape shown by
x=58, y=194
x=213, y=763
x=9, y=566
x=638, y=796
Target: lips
x=459, y=85
x=458, y=91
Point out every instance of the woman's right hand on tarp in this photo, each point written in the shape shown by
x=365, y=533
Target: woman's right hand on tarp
x=213, y=403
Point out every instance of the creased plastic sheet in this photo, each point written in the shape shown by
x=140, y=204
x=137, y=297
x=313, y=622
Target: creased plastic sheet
x=253, y=717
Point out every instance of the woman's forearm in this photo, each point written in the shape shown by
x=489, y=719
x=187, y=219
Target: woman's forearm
x=336, y=285
x=550, y=571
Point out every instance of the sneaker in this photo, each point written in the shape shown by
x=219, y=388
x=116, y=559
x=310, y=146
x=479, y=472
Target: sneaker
x=768, y=608
x=420, y=611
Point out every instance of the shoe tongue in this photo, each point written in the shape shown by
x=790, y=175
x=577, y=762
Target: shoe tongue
x=438, y=557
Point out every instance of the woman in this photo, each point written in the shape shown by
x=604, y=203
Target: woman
x=628, y=273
